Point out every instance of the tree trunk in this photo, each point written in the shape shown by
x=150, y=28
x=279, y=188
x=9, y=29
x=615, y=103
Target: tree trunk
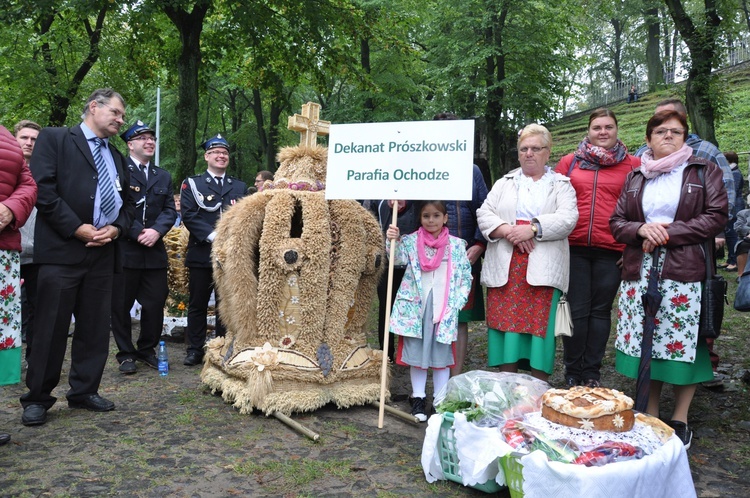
x=494, y=76
x=364, y=56
x=747, y=13
x=273, y=134
x=190, y=26
x=701, y=42
x=653, y=58
x=617, y=51
x=62, y=93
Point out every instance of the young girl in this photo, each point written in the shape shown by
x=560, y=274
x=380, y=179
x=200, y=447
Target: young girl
x=435, y=287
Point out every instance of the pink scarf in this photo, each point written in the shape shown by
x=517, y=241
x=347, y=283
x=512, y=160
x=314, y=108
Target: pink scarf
x=651, y=168
x=424, y=238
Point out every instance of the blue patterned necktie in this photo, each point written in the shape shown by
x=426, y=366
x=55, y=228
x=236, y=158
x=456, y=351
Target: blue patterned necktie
x=106, y=186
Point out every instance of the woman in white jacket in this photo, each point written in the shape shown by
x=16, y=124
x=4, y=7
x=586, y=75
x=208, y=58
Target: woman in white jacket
x=526, y=220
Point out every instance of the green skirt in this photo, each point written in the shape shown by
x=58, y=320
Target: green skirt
x=527, y=350
x=474, y=309
x=678, y=373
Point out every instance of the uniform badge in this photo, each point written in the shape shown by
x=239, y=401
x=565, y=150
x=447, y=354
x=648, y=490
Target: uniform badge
x=210, y=198
x=135, y=188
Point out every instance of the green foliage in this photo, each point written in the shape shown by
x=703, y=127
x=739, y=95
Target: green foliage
x=731, y=130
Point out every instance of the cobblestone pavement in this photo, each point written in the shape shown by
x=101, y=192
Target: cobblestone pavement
x=171, y=437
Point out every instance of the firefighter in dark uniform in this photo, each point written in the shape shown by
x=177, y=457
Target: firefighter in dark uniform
x=203, y=198
x=144, y=257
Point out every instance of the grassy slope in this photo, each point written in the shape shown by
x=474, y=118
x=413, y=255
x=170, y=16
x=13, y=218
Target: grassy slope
x=731, y=132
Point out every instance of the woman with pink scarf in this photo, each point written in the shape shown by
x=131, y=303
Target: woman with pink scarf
x=435, y=287
x=673, y=205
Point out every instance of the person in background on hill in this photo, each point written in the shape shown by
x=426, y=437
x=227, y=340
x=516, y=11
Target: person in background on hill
x=462, y=223
x=632, y=94
x=435, y=287
x=597, y=171
x=739, y=205
x=661, y=212
x=17, y=198
x=526, y=220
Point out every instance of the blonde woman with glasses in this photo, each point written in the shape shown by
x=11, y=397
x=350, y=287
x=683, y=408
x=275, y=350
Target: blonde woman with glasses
x=526, y=220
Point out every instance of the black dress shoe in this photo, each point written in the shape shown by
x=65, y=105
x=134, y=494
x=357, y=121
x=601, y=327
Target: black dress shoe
x=193, y=358
x=34, y=415
x=128, y=367
x=572, y=382
x=4, y=438
x=151, y=361
x=92, y=402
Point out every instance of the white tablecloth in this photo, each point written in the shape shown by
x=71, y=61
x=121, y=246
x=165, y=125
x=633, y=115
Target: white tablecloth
x=664, y=473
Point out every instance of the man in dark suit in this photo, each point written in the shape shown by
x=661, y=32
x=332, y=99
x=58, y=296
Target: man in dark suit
x=144, y=257
x=82, y=207
x=202, y=200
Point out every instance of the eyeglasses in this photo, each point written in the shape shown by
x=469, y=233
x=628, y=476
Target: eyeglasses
x=114, y=110
x=145, y=138
x=218, y=153
x=663, y=131
x=534, y=150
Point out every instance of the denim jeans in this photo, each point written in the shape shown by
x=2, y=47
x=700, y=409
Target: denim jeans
x=594, y=280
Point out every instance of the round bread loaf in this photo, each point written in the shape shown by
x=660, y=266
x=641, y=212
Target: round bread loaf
x=591, y=408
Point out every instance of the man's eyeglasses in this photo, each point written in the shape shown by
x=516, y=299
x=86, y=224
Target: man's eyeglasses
x=663, y=131
x=534, y=150
x=114, y=110
x=145, y=138
x=218, y=153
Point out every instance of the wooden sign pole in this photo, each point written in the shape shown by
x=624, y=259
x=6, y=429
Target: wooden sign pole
x=386, y=332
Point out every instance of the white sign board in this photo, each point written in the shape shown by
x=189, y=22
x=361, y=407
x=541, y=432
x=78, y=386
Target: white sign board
x=408, y=160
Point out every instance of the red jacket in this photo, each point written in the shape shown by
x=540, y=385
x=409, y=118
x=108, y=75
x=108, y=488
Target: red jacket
x=597, y=193
x=17, y=189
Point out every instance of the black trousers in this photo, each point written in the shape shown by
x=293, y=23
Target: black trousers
x=398, y=275
x=150, y=288
x=594, y=281
x=29, y=273
x=83, y=290
x=200, y=286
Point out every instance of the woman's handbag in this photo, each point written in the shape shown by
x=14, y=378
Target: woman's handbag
x=713, y=298
x=563, y=318
x=742, y=297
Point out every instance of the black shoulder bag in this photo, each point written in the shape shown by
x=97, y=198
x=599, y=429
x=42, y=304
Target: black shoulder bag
x=714, y=294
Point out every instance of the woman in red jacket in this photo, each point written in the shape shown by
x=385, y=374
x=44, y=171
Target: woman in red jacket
x=597, y=171
x=17, y=198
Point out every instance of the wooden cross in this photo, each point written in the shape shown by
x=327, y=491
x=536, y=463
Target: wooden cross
x=309, y=125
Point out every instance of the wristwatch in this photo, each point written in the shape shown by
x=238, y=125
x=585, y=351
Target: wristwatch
x=534, y=228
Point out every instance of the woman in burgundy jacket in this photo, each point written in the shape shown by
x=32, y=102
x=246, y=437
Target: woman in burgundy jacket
x=671, y=208
x=17, y=198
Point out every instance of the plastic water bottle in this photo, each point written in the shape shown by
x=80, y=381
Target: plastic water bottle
x=161, y=355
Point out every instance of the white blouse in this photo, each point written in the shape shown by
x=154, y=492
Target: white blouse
x=435, y=282
x=661, y=195
x=533, y=194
